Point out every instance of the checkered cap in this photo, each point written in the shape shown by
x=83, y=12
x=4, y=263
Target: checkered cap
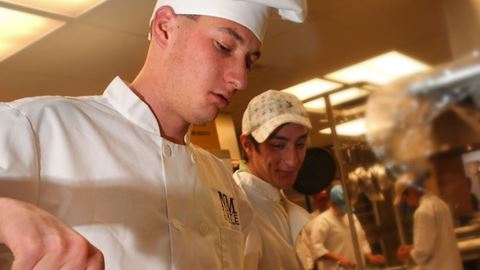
x=271, y=109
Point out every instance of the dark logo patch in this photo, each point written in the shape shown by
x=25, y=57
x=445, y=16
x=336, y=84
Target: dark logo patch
x=229, y=212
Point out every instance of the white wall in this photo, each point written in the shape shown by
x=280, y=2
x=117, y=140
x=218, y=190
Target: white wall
x=463, y=22
x=227, y=137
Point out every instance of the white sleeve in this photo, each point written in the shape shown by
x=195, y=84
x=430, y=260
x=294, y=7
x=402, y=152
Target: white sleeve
x=319, y=233
x=253, y=247
x=252, y=239
x=303, y=247
x=424, y=231
x=19, y=166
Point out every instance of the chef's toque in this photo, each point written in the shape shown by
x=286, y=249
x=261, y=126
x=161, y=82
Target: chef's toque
x=253, y=14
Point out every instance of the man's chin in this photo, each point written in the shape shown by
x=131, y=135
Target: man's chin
x=205, y=118
x=288, y=177
x=287, y=183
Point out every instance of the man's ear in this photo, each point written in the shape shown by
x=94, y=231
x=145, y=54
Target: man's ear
x=161, y=24
x=246, y=144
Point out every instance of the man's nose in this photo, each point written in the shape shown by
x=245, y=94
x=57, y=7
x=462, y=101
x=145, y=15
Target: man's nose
x=236, y=76
x=291, y=158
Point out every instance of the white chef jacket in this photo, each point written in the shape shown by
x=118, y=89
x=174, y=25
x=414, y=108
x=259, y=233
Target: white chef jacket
x=330, y=233
x=278, y=221
x=100, y=165
x=434, y=242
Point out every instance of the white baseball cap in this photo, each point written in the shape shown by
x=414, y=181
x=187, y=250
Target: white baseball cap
x=271, y=109
x=253, y=14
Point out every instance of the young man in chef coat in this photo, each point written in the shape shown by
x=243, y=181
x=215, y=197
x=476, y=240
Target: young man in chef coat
x=434, y=241
x=112, y=181
x=274, y=137
x=330, y=240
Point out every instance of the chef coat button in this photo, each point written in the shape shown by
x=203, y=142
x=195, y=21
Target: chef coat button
x=177, y=224
x=167, y=151
x=193, y=157
x=203, y=228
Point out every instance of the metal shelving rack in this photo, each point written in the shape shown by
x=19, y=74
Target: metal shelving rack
x=341, y=160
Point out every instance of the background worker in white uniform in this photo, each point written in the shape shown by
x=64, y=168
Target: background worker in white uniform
x=274, y=135
x=330, y=239
x=434, y=242
x=117, y=171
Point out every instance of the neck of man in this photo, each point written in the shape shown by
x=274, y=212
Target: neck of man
x=419, y=195
x=174, y=133
x=339, y=213
x=171, y=128
x=253, y=170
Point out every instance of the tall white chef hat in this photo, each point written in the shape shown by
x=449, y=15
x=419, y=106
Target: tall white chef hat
x=252, y=14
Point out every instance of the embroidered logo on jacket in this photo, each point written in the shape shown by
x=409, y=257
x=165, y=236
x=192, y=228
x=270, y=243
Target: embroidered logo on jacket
x=229, y=212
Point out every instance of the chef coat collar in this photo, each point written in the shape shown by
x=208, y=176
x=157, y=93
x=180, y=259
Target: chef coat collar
x=125, y=101
x=270, y=192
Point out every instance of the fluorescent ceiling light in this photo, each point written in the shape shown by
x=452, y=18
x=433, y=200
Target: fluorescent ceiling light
x=311, y=88
x=379, y=70
x=70, y=8
x=19, y=29
x=318, y=105
x=355, y=127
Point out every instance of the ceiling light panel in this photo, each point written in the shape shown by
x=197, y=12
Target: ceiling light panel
x=312, y=88
x=20, y=29
x=318, y=105
x=380, y=70
x=70, y=8
x=355, y=127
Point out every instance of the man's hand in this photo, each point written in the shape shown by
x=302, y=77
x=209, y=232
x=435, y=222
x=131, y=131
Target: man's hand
x=344, y=262
x=403, y=252
x=376, y=259
x=38, y=240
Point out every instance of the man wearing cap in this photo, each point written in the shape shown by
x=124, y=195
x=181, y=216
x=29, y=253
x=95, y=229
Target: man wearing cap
x=115, y=174
x=330, y=238
x=275, y=126
x=434, y=242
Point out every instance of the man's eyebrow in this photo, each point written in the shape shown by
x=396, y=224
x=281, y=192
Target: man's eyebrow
x=237, y=37
x=278, y=137
x=232, y=33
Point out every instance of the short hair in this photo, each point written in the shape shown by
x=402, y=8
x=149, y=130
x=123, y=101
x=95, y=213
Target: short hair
x=255, y=144
x=191, y=16
x=188, y=16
